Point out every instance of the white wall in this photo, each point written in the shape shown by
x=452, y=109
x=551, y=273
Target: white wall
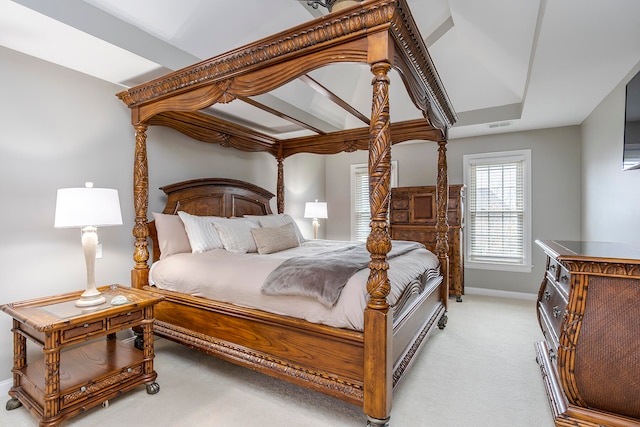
x=610, y=201
x=61, y=128
x=555, y=190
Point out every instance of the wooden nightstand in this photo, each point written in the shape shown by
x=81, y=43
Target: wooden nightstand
x=81, y=363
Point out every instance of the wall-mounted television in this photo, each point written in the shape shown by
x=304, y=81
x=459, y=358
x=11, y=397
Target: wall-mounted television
x=631, y=151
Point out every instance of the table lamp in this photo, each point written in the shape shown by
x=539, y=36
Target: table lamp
x=88, y=208
x=315, y=210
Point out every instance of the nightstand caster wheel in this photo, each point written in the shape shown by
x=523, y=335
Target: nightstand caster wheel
x=153, y=388
x=443, y=321
x=105, y=404
x=13, y=403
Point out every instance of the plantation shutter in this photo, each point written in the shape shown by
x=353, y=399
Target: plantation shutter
x=496, y=211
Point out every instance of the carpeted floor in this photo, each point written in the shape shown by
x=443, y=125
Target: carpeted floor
x=480, y=371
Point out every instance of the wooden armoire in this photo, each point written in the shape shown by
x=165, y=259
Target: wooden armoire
x=413, y=217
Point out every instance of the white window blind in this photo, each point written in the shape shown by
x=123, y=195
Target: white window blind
x=361, y=211
x=498, y=220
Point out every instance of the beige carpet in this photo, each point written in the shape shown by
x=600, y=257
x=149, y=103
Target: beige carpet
x=480, y=371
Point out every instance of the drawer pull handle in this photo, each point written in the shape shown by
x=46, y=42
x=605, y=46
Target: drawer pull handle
x=556, y=311
x=83, y=389
x=129, y=370
x=552, y=267
x=86, y=325
x=547, y=295
x=129, y=314
x=564, y=278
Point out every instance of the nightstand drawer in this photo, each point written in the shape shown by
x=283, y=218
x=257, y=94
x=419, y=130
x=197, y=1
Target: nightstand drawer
x=78, y=395
x=124, y=319
x=82, y=331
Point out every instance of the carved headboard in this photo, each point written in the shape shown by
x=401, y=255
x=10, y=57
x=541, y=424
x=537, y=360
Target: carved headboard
x=212, y=197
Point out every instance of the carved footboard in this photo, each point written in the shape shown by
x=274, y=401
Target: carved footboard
x=322, y=358
x=319, y=357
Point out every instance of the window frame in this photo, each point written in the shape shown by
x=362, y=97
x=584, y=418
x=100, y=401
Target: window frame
x=354, y=169
x=501, y=157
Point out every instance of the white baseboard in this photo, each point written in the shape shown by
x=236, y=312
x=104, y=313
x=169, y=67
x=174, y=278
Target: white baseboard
x=500, y=294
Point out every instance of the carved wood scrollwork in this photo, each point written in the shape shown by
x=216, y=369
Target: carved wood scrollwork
x=604, y=268
x=442, y=226
x=280, y=184
x=379, y=241
x=570, y=335
x=140, y=198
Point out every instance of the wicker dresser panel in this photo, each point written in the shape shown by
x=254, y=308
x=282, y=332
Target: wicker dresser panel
x=608, y=369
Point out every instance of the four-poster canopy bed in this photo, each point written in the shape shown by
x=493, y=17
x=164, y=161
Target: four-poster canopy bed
x=360, y=366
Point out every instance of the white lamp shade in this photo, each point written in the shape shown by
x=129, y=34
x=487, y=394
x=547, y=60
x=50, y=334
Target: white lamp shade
x=315, y=210
x=80, y=207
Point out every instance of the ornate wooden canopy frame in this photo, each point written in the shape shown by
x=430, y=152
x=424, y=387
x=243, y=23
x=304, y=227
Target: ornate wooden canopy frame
x=381, y=33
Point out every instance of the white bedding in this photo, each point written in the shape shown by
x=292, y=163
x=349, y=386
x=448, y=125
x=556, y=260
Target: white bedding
x=237, y=278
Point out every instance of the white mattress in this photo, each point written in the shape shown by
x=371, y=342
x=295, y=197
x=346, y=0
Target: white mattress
x=237, y=278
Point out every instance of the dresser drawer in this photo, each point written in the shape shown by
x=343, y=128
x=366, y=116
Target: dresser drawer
x=400, y=216
x=414, y=234
x=554, y=268
x=400, y=203
x=564, y=281
x=553, y=304
x=82, y=332
x=550, y=335
x=559, y=274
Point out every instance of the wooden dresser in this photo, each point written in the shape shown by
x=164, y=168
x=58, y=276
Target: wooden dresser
x=413, y=217
x=589, y=312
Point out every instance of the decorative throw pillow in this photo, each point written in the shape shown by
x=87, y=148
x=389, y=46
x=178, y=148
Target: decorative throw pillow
x=274, y=239
x=201, y=232
x=172, y=237
x=276, y=220
x=235, y=234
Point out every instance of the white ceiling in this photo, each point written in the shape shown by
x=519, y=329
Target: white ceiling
x=507, y=65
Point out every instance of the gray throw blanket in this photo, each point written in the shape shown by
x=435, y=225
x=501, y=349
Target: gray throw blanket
x=324, y=275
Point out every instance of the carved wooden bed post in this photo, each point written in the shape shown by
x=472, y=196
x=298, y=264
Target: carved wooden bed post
x=140, y=272
x=442, y=223
x=378, y=369
x=280, y=184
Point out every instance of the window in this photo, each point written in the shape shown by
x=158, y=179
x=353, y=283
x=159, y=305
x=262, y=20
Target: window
x=360, y=210
x=498, y=229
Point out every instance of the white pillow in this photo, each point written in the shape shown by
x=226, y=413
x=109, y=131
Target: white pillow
x=276, y=220
x=201, y=232
x=235, y=234
x=275, y=239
